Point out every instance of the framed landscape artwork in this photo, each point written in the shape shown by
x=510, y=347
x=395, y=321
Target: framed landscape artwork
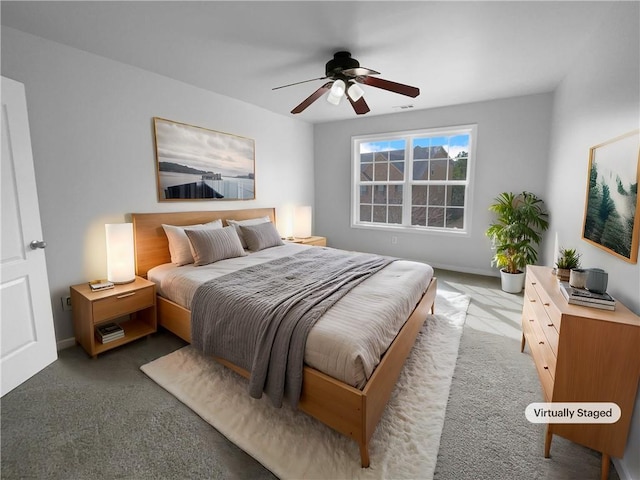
x=194, y=163
x=612, y=210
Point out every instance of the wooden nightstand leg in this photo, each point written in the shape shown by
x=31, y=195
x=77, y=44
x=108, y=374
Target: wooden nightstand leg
x=606, y=460
x=522, y=343
x=547, y=442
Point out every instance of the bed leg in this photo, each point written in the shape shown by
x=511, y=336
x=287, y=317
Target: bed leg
x=364, y=454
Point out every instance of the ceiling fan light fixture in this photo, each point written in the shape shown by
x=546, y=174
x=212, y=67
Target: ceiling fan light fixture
x=338, y=88
x=334, y=99
x=337, y=92
x=355, y=92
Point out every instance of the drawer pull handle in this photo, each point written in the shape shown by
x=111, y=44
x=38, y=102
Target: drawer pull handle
x=546, y=367
x=126, y=295
x=549, y=324
x=532, y=299
x=540, y=343
x=546, y=304
x=532, y=320
x=533, y=283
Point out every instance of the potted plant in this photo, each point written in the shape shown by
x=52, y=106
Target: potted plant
x=515, y=234
x=569, y=259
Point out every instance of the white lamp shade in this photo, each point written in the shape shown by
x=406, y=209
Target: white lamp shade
x=338, y=88
x=336, y=93
x=355, y=92
x=303, y=222
x=120, y=261
x=334, y=99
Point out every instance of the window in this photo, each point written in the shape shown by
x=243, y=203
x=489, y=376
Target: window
x=416, y=180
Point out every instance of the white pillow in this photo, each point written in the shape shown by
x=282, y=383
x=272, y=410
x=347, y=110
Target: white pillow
x=252, y=221
x=179, y=245
x=210, y=245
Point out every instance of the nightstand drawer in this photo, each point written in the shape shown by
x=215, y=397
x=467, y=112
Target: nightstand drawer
x=119, y=305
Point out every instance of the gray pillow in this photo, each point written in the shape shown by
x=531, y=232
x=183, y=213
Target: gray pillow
x=261, y=236
x=209, y=245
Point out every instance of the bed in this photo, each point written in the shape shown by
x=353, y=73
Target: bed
x=354, y=412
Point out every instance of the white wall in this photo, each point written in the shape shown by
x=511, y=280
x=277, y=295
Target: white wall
x=598, y=100
x=511, y=155
x=92, y=135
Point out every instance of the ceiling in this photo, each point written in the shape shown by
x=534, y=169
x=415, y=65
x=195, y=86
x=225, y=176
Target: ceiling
x=455, y=52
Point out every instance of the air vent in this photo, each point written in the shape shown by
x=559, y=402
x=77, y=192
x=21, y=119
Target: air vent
x=402, y=107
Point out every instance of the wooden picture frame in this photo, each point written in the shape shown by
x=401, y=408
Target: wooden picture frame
x=612, y=205
x=195, y=163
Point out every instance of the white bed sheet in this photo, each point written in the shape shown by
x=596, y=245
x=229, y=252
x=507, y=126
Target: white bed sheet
x=350, y=338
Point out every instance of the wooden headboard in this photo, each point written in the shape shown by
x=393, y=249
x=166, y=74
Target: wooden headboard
x=151, y=244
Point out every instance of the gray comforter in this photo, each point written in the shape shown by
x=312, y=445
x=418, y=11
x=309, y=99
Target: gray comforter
x=259, y=317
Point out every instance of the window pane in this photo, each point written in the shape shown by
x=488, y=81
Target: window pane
x=395, y=194
x=381, y=157
x=365, y=213
x=456, y=195
x=380, y=214
x=366, y=172
x=439, y=147
x=380, y=194
x=421, y=170
x=436, y=194
x=421, y=148
x=381, y=172
x=396, y=171
x=395, y=215
x=419, y=195
x=458, y=168
x=419, y=216
x=455, y=217
x=438, y=170
x=396, y=154
x=365, y=157
x=436, y=217
x=366, y=194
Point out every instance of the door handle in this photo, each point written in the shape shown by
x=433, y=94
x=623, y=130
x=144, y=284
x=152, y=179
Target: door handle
x=38, y=244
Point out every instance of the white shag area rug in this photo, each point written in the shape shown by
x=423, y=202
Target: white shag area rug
x=293, y=445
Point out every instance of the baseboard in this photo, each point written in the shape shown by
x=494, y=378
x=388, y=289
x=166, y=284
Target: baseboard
x=66, y=343
x=621, y=469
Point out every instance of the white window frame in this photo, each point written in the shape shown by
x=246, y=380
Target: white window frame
x=407, y=182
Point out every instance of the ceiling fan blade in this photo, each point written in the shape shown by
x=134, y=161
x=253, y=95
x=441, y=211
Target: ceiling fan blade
x=359, y=106
x=313, y=97
x=359, y=72
x=298, y=83
x=390, y=86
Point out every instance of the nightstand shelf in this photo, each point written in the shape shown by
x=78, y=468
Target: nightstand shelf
x=136, y=300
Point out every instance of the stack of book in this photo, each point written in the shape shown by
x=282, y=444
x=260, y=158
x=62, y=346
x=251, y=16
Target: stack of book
x=109, y=332
x=581, y=296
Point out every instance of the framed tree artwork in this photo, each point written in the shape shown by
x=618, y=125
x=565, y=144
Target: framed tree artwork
x=612, y=210
x=195, y=163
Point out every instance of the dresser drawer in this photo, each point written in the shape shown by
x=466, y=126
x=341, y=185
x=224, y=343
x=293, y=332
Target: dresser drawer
x=119, y=305
x=535, y=290
x=542, y=314
x=539, y=345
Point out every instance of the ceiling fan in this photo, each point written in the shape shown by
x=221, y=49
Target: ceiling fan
x=346, y=73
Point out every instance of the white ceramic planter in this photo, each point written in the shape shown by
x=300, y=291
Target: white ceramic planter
x=512, y=282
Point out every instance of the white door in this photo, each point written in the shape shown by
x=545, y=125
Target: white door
x=27, y=338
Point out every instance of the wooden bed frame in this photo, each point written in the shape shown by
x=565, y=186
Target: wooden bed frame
x=352, y=412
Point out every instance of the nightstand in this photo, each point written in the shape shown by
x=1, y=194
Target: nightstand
x=136, y=300
x=315, y=241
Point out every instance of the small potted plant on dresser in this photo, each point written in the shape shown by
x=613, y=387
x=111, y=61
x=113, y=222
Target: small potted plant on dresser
x=520, y=221
x=568, y=260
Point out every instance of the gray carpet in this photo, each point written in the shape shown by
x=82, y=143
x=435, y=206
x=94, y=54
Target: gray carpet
x=101, y=419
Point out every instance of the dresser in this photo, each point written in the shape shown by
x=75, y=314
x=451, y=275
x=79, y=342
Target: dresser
x=582, y=354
